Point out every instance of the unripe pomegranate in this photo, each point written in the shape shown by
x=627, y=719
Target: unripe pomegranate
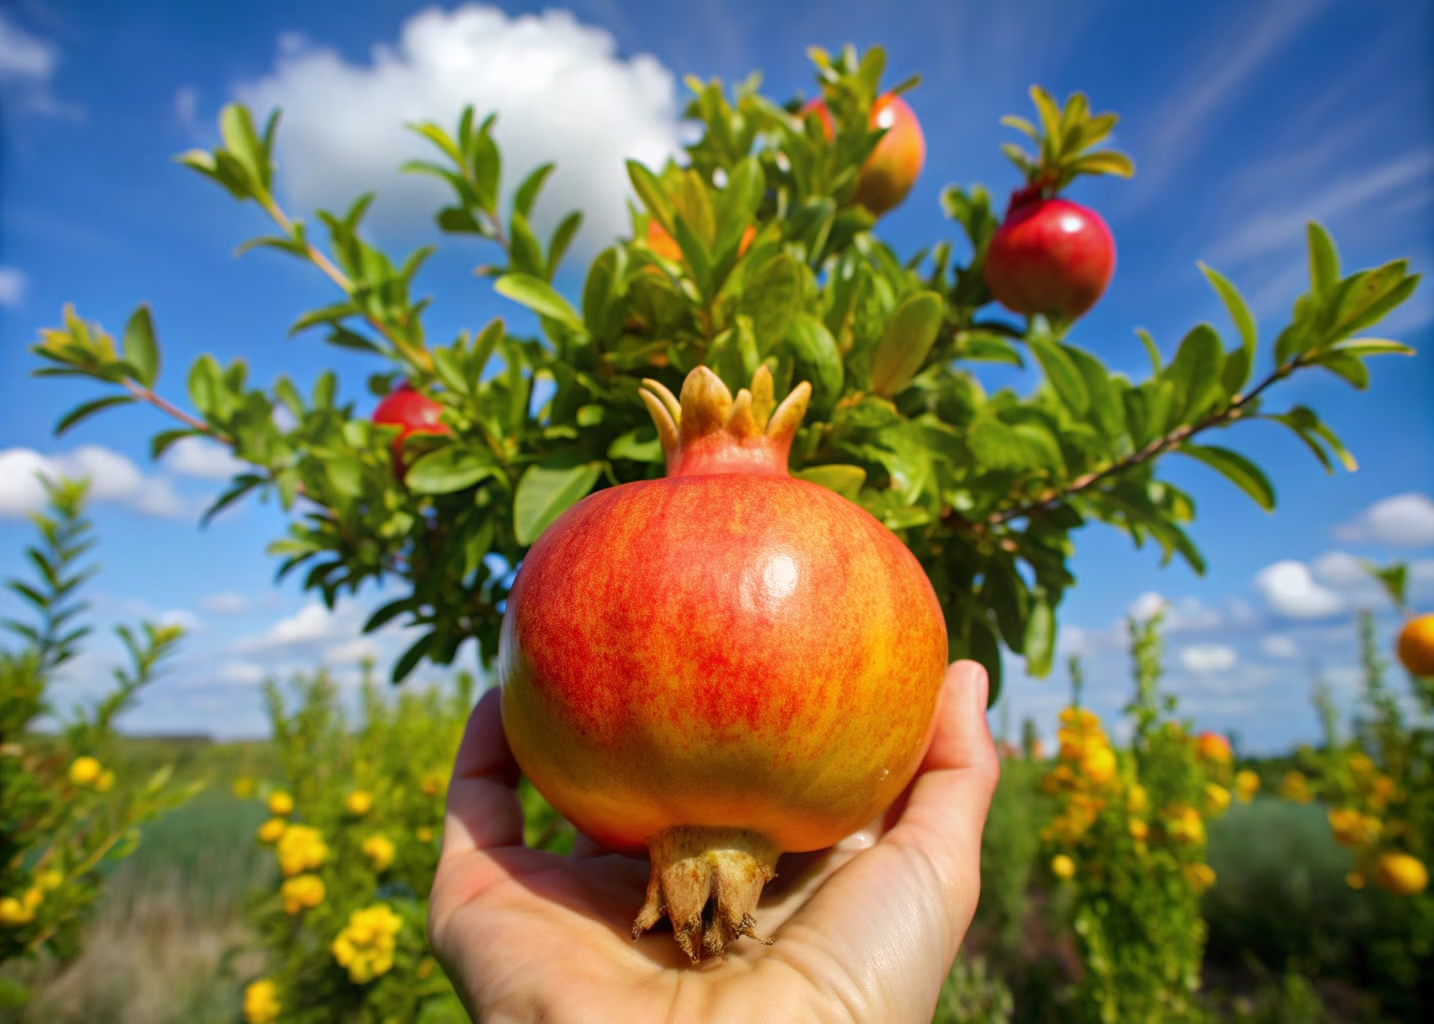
x=664, y=245
x=721, y=665
x=1416, y=645
x=1050, y=256
x=412, y=413
x=891, y=169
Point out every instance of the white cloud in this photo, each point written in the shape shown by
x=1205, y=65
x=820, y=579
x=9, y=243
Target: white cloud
x=186, y=106
x=12, y=287
x=312, y=625
x=1189, y=615
x=225, y=603
x=199, y=457
x=22, y=56
x=27, y=63
x=1147, y=606
x=1279, y=645
x=241, y=673
x=1341, y=570
x=1405, y=520
x=181, y=617
x=350, y=652
x=560, y=91
x=113, y=478
x=1205, y=658
x=1290, y=590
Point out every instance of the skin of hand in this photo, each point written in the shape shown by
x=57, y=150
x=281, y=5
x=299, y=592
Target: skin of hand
x=865, y=931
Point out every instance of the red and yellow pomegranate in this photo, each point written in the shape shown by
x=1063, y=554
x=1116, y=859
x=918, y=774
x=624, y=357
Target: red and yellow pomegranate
x=721, y=665
x=891, y=169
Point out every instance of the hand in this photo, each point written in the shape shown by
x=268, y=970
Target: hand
x=865, y=931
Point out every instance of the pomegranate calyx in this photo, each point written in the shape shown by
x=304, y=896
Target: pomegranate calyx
x=707, y=431
x=694, y=867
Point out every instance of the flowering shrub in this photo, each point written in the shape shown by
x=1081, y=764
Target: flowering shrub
x=67, y=808
x=1127, y=843
x=355, y=828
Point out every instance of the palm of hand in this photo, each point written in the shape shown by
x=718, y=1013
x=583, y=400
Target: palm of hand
x=865, y=931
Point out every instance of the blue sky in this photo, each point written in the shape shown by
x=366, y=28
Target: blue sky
x=1245, y=119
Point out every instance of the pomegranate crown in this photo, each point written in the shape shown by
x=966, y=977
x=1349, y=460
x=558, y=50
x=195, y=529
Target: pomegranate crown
x=708, y=431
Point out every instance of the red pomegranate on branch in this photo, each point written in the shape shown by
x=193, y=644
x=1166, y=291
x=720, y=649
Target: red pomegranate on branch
x=721, y=665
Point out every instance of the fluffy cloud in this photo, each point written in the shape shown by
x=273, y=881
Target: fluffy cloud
x=12, y=287
x=226, y=603
x=314, y=634
x=1205, y=658
x=560, y=91
x=1289, y=588
x=1278, y=645
x=1405, y=520
x=113, y=478
x=208, y=460
x=1188, y=615
x=27, y=63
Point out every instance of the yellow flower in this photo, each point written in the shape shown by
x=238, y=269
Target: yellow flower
x=1295, y=787
x=1217, y=798
x=358, y=803
x=84, y=770
x=1381, y=791
x=302, y=892
x=1136, y=800
x=50, y=879
x=1361, y=765
x=261, y=1002
x=1185, y=825
x=271, y=830
x=365, y=946
x=432, y=783
x=244, y=787
x=1062, y=866
x=1098, y=764
x=425, y=834
x=1355, y=880
x=1247, y=784
x=299, y=849
x=1138, y=829
x=281, y=804
x=1200, y=876
x=33, y=897
x=1401, y=874
x=379, y=851
x=105, y=782
x=1353, y=829
x=13, y=913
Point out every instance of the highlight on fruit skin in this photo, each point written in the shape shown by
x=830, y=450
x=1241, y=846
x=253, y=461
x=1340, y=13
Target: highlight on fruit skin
x=721, y=665
x=1416, y=645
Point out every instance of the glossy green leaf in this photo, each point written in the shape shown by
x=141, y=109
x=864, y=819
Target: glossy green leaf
x=540, y=297
x=845, y=480
x=1062, y=373
x=448, y=469
x=1324, y=261
x=84, y=411
x=1040, y=639
x=1196, y=373
x=140, y=350
x=1244, y=323
x=1239, y=470
x=818, y=360
x=527, y=192
x=650, y=191
x=908, y=338
x=545, y=492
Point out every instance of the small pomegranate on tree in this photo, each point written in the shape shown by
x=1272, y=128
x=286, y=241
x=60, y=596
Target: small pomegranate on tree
x=720, y=665
x=1052, y=256
x=412, y=413
x=894, y=163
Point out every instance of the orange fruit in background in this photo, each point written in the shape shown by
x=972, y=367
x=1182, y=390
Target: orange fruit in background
x=893, y=166
x=1416, y=645
x=664, y=245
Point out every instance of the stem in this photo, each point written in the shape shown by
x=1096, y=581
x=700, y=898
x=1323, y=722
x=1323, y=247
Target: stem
x=1159, y=446
x=146, y=395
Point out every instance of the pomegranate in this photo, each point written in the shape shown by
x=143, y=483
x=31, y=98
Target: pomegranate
x=664, y=245
x=721, y=665
x=413, y=413
x=1050, y=256
x=1416, y=645
x=891, y=169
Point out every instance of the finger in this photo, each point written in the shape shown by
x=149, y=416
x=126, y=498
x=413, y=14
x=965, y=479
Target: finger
x=483, y=809
x=913, y=894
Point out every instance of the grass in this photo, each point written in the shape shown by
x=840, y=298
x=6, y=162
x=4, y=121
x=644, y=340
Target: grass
x=167, y=943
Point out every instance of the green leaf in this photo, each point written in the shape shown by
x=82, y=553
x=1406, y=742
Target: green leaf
x=447, y=470
x=1244, y=323
x=1344, y=365
x=1239, y=470
x=527, y=193
x=986, y=346
x=845, y=480
x=818, y=359
x=1105, y=161
x=908, y=338
x=1150, y=349
x=1065, y=377
x=88, y=409
x=241, y=486
x=539, y=296
x=140, y=350
x=1040, y=639
x=237, y=127
x=770, y=298
x=545, y=492
x=640, y=445
x=1324, y=262
x=410, y=658
x=562, y=238
x=1195, y=372
x=1363, y=347
x=978, y=642
x=204, y=384
x=649, y=190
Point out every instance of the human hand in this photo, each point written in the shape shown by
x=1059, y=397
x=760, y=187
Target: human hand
x=865, y=931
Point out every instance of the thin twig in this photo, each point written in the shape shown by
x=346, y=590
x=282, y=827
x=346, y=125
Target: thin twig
x=146, y=395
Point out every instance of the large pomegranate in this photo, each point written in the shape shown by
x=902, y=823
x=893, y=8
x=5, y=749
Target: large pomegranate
x=721, y=665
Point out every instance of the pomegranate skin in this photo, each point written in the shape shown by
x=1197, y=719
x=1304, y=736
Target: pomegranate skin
x=724, y=650
x=891, y=169
x=1051, y=256
x=413, y=413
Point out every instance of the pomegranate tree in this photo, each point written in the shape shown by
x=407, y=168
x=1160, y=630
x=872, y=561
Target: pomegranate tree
x=722, y=664
x=781, y=272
